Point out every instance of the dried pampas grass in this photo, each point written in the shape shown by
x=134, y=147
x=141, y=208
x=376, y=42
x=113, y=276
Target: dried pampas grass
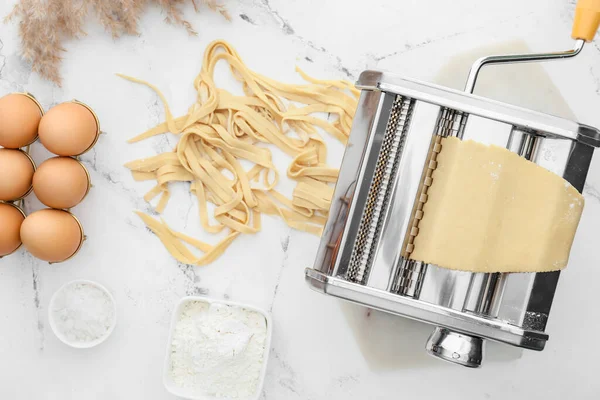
x=44, y=24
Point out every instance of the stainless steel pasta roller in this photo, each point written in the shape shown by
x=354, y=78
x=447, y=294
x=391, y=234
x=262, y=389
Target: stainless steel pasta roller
x=364, y=252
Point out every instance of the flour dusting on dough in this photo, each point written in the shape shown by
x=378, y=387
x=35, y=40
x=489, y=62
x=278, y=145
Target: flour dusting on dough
x=490, y=210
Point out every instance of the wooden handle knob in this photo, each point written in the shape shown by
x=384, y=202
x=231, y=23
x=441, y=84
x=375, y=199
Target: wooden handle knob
x=587, y=19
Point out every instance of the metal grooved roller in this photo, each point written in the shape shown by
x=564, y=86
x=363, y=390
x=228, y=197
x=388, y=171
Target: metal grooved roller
x=382, y=186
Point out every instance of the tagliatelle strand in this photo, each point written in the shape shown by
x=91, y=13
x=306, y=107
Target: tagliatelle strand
x=222, y=133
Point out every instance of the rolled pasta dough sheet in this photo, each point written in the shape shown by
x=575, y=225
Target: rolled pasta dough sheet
x=490, y=210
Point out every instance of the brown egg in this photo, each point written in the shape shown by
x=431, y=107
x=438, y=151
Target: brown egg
x=11, y=219
x=61, y=182
x=16, y=174
x=51, y=235
x=19, y=120
x=68, y=129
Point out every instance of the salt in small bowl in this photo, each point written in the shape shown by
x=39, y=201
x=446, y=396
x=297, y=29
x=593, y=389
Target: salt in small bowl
x=61, y=336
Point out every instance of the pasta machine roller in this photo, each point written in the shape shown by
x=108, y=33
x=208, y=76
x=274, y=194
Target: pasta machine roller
x=364, y=252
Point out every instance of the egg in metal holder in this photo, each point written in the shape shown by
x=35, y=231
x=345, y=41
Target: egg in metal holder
x=72, y=138
x=3, y=233
x=40, y=230
x=61, y=182
x=20, y=195
x=9, y=105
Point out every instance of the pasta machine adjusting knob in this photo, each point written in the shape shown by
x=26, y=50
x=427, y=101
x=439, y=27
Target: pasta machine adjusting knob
x=459, y=348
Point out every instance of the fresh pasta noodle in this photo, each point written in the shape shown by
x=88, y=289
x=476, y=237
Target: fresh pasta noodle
x=222, y=129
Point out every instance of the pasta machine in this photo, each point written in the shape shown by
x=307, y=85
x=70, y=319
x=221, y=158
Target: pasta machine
x=364, y=254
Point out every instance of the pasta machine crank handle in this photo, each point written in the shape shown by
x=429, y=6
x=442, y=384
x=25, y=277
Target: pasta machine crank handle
x=585, y=25
x=518, y=58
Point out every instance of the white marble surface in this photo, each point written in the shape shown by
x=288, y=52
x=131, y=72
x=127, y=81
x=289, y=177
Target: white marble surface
x=322, y=348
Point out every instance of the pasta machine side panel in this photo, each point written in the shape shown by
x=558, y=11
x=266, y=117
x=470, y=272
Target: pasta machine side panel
x=544, y=284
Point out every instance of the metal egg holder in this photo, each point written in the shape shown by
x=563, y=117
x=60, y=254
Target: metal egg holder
x=19, y=203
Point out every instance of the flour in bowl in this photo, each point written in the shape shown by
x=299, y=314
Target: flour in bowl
x=217, y=350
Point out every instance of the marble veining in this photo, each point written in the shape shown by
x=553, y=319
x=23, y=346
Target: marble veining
x=322, y=348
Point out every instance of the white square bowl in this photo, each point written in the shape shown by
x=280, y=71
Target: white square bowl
x=186, y=393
